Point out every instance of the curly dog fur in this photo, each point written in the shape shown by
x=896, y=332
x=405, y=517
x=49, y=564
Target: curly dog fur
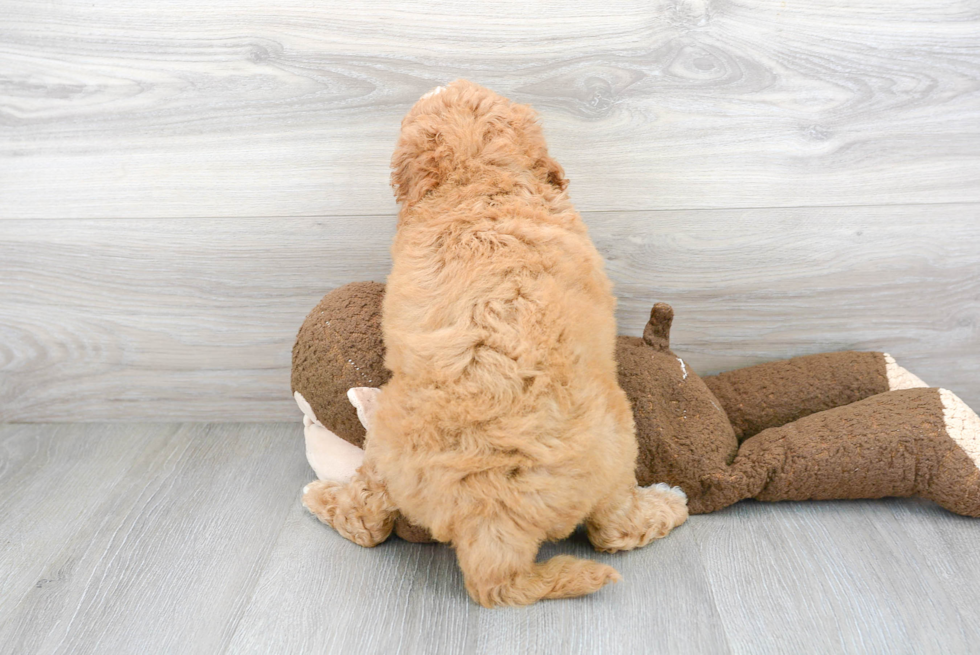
x=503, y=424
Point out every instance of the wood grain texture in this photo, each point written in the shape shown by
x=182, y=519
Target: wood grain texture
x=844, y=576
x=66, y=474
x=191, y=538
x=195, y=319
x=164, y=561
x=166, y=319
x=321, y=593
x=182, y=109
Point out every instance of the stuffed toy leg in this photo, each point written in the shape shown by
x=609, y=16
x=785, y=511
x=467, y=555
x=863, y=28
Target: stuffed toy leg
x=777, y=393
x=914, y=442
x=867, y=435
x=830, y=426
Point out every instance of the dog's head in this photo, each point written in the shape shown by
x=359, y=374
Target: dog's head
x=464, y=133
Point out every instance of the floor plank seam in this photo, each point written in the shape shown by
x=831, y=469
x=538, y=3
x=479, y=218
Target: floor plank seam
x=711, y=592
x=393, y=214
x=270, y=549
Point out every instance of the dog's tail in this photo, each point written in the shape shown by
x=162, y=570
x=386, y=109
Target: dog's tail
x=499, y=568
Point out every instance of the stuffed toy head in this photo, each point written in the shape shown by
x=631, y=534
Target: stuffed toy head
x=339, y=348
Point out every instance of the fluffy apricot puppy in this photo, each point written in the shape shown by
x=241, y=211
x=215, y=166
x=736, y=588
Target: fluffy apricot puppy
x=503, y=424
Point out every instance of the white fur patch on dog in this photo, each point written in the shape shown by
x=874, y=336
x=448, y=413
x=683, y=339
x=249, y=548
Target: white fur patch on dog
x=437, y=90
x=899, y=378
x=962, y=424
x=667, y=489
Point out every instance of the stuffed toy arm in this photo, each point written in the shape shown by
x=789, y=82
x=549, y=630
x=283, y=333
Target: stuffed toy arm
x=331, y=457
x=774, y=394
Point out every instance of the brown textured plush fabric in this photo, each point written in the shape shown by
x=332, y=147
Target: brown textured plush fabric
x=682, y=432
x=338, y=347
x=773, y=394
x=892, y=444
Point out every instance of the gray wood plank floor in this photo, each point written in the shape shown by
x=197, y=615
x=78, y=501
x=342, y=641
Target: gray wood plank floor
x=189, y=538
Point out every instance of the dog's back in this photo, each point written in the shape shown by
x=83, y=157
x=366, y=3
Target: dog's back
x=503, y=424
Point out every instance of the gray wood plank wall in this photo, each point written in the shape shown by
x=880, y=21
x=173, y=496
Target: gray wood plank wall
x=180, y=182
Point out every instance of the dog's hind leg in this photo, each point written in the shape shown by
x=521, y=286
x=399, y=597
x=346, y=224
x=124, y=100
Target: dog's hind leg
x=635, y=516
x=360, y=509
x=497, y=559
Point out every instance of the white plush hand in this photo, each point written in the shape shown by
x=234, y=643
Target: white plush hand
x=331, y=457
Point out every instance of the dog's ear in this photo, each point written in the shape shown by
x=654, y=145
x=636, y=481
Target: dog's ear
x=524, y=121
x=552, y=172
x=416, y=165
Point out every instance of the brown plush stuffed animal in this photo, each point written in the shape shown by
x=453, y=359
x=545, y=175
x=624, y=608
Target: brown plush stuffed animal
x=829, y=426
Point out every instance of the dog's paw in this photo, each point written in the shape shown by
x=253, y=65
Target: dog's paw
x=671, y=503
x=666, y=488
x=337, y=505
x=320, y=498
x=649, y=513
